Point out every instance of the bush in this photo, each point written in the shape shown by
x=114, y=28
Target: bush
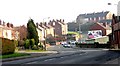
x=27, y=44
x=32, y=42
x=16, y=43
x=40, y=46
x=96, y=44
x=34, y=47
x=21, y=43
x=8, y=46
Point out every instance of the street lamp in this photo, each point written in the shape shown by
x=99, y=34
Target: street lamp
x=110, y=4
x=81, y=21
x=45, y=33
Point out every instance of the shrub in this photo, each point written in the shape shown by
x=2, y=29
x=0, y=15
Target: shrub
x=8, y=46
x=21, y=43
x=27, y=44
x=16, y=43
x=32, y=42
x=40, y=46
x=34, y=47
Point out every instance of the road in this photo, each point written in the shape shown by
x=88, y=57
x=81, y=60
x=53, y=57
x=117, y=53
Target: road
x=71, y=56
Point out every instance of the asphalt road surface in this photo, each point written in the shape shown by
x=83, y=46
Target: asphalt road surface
x=72, y=56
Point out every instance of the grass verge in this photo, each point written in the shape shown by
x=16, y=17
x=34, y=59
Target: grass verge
x=13, y=55
x=35, y=50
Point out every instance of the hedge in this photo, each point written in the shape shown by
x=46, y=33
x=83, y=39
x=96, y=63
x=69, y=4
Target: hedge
x=8, y=46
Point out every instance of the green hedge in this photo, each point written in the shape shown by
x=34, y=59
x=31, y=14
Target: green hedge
x=8, y=46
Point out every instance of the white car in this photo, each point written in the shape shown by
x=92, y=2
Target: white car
x=67, y=45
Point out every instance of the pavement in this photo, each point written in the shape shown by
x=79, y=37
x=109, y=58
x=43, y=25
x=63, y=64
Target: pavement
x=114, y=61
x=32, y=55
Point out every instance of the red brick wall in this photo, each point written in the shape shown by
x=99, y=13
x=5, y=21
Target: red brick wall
x=98, y=27
x=23, y=32
x=58, y=29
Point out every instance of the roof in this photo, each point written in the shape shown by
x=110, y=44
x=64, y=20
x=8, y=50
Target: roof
x=107, y=27
x=92, y=15
x=39, y=29
x=106, y=20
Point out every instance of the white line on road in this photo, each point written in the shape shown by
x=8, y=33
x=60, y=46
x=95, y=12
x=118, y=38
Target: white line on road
x=31, y=62
x=61, y=57
x=48, y=59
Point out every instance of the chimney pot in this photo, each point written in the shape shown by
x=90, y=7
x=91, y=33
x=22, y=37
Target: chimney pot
x=45, y=24
x=0, y=22
x=37, y=25
x=105, y=24
x=3, y=23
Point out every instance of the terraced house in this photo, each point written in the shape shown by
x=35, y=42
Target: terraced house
x=51, y=29
x=44, y=31
x=7, y=31
x=60, y=27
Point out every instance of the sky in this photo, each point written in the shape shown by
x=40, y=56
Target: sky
x=18, y=12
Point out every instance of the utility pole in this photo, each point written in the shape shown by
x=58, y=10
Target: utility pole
x=45, y=33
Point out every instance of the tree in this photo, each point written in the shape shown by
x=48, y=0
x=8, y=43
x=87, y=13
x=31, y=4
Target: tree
x=32, y=31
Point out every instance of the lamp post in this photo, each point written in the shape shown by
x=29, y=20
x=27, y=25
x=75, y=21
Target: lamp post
x=110, y=4
x=45, y=33
x=81, y=22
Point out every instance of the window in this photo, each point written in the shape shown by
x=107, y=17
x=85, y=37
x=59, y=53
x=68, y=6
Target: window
x=103, y=17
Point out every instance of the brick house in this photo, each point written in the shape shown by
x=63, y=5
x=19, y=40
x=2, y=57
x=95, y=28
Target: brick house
x=60, y=28
x=101, y=26
x=96, y=17
x=7, y=31
x=44, y=31
x=114, y=37
x=22, y=30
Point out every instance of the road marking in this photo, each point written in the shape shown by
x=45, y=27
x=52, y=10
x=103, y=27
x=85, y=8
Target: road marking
x=48, y=59
x=61, y=57
x=80, y=54
x=31, y=62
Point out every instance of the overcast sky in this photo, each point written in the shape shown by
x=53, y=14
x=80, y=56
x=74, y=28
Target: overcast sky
x=19, y=11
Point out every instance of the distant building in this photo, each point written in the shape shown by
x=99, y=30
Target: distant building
x=60, y=27
x=95, y=17
x=103, y=27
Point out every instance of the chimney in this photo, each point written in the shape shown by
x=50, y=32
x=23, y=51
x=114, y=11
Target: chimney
x=41, y=24
x=37, y=25
x=0, y=22
x=45, y=24
x=53, y=20
x=105, y=24
x=60, y=20
x=8, y=24
x=63, y=20
x=57, y=20
x=11, y=25
x=3, y=23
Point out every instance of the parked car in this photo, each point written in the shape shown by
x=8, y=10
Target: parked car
x=67, y=45
x=62, y=43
